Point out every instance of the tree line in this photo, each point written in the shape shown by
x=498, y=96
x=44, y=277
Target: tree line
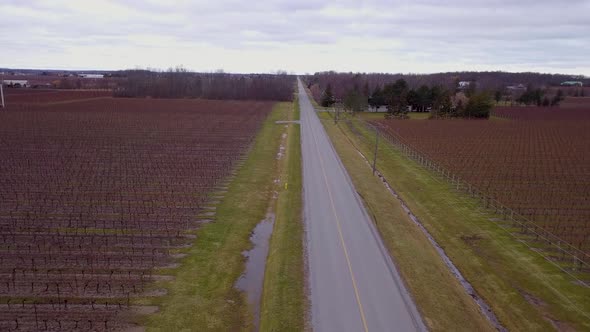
x=180, y=83
x=399, y=98
x=342, y=83
x=540, y=97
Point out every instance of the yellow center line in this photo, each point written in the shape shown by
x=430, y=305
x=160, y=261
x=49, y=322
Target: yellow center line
x=339, y=227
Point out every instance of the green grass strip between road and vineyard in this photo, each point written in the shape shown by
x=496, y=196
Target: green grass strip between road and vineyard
x=283, y=298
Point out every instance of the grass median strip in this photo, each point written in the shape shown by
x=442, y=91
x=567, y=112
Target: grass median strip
x=202, y=295
x=283, y=299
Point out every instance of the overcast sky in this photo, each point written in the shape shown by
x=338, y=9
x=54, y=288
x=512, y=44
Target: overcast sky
x=298, y=36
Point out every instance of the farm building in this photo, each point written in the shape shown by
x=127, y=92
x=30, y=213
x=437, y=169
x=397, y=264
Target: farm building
x=91, y=75
x=572, y=83
x=516, y=87
x=16, y=83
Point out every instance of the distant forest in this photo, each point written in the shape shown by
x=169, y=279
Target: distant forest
x=342, y=83
x=180, y=83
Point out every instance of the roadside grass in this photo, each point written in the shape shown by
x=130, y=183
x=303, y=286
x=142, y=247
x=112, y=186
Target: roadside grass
x=314, y=103
x=202, y=295
x=381, y=116
x=297, y=112
x=283, y=299
x=441, y=300
x=524, y=290
x=412, y=116
x=372, y=115
x=419, y=115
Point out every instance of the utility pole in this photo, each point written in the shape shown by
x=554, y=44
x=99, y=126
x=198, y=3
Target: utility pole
x=376, y=147
x=2, y=93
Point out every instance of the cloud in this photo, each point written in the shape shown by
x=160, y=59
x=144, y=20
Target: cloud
x=301, y=36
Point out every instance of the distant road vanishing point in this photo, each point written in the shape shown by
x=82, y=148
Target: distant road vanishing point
x=353, y=282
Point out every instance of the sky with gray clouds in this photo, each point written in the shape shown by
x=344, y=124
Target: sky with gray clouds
x=301, y=36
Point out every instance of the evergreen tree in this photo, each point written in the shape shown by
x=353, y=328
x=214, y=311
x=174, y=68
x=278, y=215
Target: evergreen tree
x=479, y=106
x=425, y=97
x=396, y=97
x=328, y=97
x=413, y=99
x=355, y=101
x=498, y=96
x=376, y=99
x=442, y=105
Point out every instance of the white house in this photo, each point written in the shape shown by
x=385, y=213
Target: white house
x=16, y=83
x=516, y=87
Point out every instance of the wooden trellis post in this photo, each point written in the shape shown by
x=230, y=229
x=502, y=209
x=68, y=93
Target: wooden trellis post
x=2, y=93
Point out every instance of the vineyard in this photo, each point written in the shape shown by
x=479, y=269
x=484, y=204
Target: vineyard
x=96, y=194
x=570, y=110
x=20, y=97
x=576, y=102
x=540, y=169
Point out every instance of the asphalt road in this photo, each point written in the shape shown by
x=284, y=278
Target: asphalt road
x=353, y=283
